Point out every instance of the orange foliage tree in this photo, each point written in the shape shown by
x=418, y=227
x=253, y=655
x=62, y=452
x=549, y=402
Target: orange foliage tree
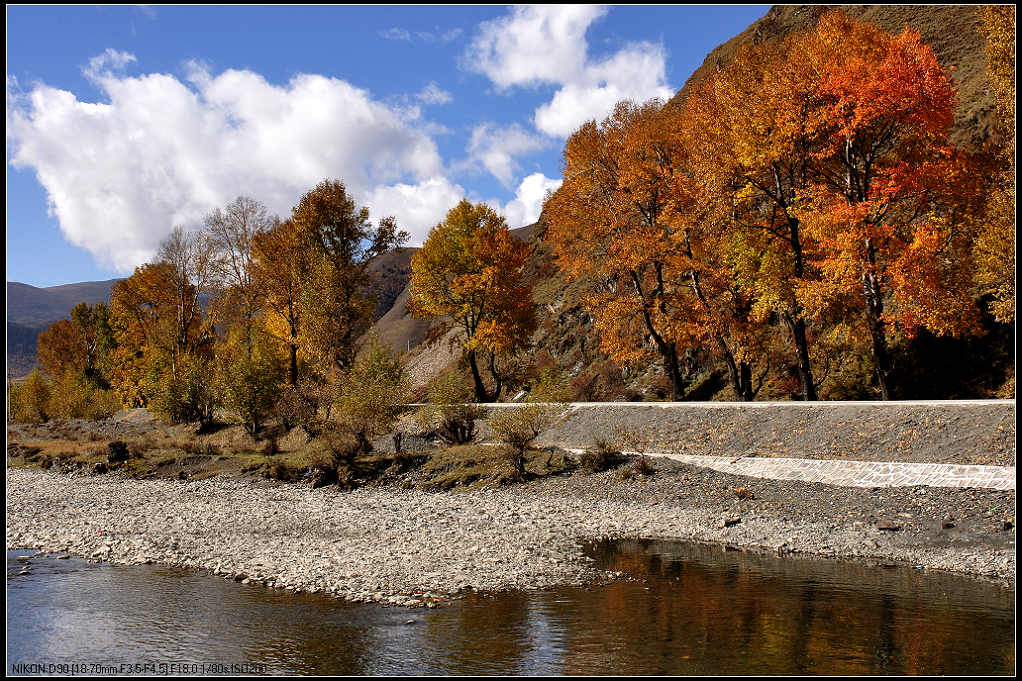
x=82, y=344
x=469, y=272
x=890, y=198
x=342, y=242
x=280, y=266
x=625, y=219
x=750, y=135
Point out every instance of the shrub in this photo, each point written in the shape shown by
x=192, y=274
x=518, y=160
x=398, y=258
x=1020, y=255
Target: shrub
x=517, y=427
x=69, y=396
x=29, y=402
x=296, y=408
x=450, y=414
x=600, y=457
x=190, y=395
x=371, y=399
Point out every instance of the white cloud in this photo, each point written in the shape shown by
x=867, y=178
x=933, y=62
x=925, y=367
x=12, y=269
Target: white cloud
x=525, y=208
x=494, y=148
x=533, y=45
x=162, y=152
x=111, y=59
x=434, y=94
x=437, y=36
x=396, y=34
x=419, y=207
x=546, y=45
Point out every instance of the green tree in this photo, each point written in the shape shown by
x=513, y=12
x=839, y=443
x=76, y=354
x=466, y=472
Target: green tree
x=250, y=373
x=373, y=396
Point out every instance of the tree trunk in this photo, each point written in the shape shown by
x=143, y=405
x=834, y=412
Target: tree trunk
x=477, y=379
x=874, y=318
x=739, y=372
x=802, y=364
x=293, y=369
x=673, y=371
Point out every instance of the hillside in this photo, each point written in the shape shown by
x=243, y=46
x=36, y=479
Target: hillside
x=31, y=309
x=951, y=30
x=566, y=340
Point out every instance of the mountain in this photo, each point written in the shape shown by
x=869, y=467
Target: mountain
x=951, y=30
x=31, y=309
x=31, y=305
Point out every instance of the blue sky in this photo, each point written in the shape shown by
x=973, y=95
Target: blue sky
x=123, y=122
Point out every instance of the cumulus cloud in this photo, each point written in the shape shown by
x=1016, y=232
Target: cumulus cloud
x=419, y=207
x=546, y=45
x=162, y=151
x=525, y=208
x=494, y=148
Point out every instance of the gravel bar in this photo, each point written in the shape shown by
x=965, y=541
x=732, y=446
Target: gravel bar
x=414, y=548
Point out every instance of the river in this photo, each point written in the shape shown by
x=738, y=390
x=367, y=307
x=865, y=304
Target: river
x=688, y=609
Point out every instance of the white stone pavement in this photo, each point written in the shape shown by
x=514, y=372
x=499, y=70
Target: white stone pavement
x=854, y=473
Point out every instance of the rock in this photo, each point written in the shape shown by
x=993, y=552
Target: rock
x=100, y=468
x=118, y=452
x=888, y=525
x=1007, y=525
x=732, y=520
x=948, y=523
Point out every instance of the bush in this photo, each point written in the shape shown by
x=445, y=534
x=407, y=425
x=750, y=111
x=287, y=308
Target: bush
x=249, y=379
x=73, y=396
x=517, y=427
x=29, y=402
x=450, y=414
x=191, y=395
x=371, y=399
x=600, y=457
x=296, y=408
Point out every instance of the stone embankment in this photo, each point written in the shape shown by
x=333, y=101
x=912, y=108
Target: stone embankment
x=976, y=432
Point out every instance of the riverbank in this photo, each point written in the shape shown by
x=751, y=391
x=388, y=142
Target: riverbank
x=412, y=547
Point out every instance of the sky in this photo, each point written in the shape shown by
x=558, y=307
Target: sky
x=124, y=122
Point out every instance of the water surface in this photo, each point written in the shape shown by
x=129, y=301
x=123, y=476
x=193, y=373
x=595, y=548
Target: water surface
x=691, y=609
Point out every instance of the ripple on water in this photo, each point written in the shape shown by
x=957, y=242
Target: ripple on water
x=692, y=609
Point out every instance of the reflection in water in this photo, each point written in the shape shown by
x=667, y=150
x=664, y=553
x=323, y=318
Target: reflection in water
x=692, y=610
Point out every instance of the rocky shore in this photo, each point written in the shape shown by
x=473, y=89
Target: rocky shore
x=415, y=548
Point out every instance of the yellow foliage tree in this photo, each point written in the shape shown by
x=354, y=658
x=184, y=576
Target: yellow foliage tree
x=995, y=244
x=469, y=273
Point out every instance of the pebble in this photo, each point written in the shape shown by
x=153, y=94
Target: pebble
x=412, y=548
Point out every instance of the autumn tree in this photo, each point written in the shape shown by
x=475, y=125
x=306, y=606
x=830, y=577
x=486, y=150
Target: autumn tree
x=280, y=266
x=619, y=240
x=995, y=243
x=626, y=220
x=162, y=326
x=249, y=373
x=343, y=241
x=889, y=197
x=232, y=231
x=751, y=137
x=469, y=273
x=80, y=344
